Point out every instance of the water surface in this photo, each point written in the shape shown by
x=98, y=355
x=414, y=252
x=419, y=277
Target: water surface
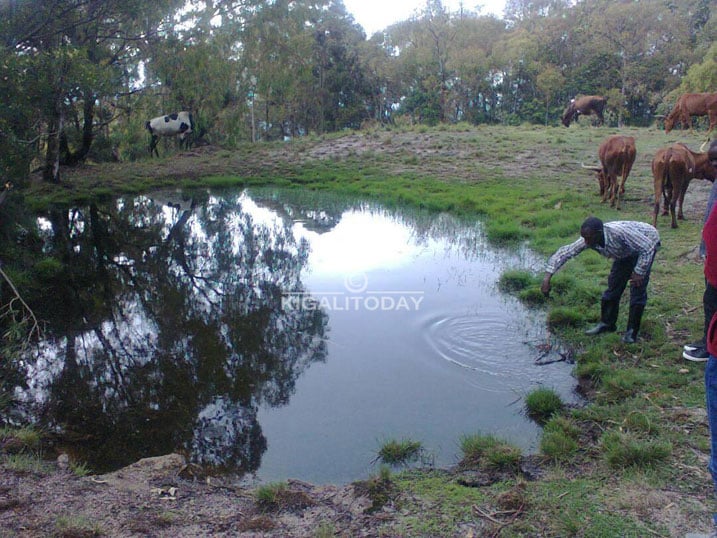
x=280, y=333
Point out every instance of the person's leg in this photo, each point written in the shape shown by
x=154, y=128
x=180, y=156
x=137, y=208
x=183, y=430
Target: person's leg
x=711, y=401
x=697, y=351
x=709, y=303
x=638, y=300
x=610, y=301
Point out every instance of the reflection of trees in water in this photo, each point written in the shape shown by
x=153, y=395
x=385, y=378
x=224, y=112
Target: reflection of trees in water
x=166, y=330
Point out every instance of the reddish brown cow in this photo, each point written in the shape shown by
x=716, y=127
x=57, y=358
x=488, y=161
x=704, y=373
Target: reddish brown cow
x=587, y=105
x=692, y=104
x=617, y=155
x=672, y=169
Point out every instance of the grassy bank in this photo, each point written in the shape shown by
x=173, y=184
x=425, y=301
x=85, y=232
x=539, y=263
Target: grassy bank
x=633, y=461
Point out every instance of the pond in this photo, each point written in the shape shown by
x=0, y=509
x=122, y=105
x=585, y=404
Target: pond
x=282, y=334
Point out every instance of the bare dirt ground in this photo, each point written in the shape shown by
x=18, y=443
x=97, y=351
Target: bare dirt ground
x=151, y=498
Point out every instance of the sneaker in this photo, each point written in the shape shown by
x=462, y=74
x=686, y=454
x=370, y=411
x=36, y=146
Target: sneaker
x=693, y=346
x=699, y=354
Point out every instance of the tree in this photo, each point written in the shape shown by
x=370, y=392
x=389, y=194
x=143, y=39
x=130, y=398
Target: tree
x=79, y=51
x=549, y=81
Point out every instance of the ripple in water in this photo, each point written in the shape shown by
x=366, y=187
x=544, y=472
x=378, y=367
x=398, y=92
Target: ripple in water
x=497, y=355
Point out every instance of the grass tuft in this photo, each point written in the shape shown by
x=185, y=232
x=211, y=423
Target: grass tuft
x=542, y=403
x=626, y=450
x=75, y=527
x=488, y=451
x=402, y=452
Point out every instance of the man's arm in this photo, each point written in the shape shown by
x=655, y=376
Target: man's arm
x=557, y=260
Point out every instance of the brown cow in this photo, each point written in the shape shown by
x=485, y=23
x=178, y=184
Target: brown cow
x=692, y=104
x=672, y=169
x=617, y=155
x=587, y=105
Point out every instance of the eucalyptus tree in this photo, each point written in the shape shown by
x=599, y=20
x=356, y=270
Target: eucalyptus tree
x=80, y=52
x=304, y=63
x=474, y=92
x=424, y=44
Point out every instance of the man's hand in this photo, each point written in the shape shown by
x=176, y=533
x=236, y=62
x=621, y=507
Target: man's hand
x=636, y=280
x=545, y=286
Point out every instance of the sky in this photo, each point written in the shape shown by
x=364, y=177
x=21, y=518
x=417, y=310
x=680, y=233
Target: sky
x=375, y=15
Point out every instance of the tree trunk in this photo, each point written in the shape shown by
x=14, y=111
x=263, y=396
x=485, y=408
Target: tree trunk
x=51, y=173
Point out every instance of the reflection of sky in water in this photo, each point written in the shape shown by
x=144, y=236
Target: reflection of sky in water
x=192, y=343
x=458, y=364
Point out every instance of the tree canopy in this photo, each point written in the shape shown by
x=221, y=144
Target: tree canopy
x=81, y=77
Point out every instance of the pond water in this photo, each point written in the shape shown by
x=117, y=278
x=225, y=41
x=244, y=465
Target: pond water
x=283, y=334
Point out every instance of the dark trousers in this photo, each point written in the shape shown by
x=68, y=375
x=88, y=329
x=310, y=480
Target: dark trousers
x=619, y=277
x=709, y=303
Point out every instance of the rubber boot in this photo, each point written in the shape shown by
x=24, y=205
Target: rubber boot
x=608, y=317
x=633, y=323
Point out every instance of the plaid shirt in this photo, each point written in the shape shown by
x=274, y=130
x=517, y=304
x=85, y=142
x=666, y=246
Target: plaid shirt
x=623, y=239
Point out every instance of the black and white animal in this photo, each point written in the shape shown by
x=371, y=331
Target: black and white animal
x=178, y=124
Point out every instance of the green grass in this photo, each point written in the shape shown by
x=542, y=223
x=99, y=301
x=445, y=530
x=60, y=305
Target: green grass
x=403, y=452
x=74, y=525
x=27, y=463
x=267, y=495
x=632, y=433
x=481, y=450
x=25, y=438
x=542, y=403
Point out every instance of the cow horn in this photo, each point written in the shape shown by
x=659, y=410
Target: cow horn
x=660, y=116
x=593, y=168
x=702, y=147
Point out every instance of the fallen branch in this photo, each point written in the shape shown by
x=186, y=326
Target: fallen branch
x=27, y=317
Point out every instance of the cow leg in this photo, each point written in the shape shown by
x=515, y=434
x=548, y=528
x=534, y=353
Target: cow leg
x=681, y=200
x=153, y=145
x=673, y=203
x=605, y=185
x=659, y=192
x=615, y=189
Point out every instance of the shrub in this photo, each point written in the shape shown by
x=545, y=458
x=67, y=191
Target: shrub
x=48, y=269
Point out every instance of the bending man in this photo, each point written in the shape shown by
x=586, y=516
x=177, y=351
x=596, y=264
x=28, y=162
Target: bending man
x=632, y=246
